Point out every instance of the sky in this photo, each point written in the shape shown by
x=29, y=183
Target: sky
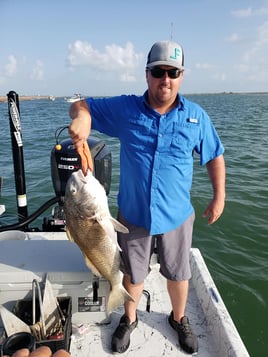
x=99, y=47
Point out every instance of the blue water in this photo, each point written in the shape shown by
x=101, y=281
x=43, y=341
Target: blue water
x=235, y=248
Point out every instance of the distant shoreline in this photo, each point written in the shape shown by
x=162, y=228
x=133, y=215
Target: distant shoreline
x=25, y=97
x=40, y=97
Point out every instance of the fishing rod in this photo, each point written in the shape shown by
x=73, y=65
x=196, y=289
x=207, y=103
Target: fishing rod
x=17, y=150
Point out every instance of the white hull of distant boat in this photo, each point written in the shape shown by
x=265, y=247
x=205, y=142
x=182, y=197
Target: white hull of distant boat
x=74, y=98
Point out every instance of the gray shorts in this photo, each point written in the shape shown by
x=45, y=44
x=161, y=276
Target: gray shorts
x=173, y=249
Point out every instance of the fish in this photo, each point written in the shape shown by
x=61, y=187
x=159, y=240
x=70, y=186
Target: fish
x=91, y=226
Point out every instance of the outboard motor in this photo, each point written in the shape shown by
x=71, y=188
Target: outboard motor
x=64, y=161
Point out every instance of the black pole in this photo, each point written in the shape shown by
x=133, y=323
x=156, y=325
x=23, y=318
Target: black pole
x=17, y=149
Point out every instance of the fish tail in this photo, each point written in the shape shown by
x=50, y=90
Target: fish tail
x=118, y=295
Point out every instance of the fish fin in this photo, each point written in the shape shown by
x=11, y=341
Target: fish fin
x=118, y=295
x=119, y=227
x=91, y=266
x=69, y=236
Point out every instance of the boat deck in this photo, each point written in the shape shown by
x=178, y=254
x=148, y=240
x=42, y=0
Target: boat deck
x=153, y=336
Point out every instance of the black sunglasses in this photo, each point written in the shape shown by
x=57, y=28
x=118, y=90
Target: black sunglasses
x=157, y=72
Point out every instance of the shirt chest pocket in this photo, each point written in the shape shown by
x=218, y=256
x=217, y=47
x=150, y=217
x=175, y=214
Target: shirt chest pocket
x=184, y=140
x=141, y=132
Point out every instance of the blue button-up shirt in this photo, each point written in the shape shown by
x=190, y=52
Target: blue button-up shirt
x=156, y=156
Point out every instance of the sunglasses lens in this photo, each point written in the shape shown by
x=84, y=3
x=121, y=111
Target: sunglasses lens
x=159, y=72
x=173, y=73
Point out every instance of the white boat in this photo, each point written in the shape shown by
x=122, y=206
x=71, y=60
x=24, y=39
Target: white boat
x=74, y=98
x=26, y=256
x=51, y=97
x=51, y=253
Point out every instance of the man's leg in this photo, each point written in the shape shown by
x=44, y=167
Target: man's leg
x=128, y=322
x=174, y=254
x=137, y=247
x=135, y=290
x=178, y=292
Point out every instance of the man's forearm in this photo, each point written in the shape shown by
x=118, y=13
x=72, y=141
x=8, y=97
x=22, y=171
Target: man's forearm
x=217, y=174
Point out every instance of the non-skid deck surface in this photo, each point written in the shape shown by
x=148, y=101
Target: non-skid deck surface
x=153, y=336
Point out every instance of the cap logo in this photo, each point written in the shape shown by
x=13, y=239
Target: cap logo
x=176, y=53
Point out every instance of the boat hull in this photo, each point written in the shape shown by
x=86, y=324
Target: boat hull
x=208, y=315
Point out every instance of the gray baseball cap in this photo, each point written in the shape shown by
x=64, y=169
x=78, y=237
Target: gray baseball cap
x=166, y=53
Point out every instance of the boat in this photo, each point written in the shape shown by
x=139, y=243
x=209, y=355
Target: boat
x=51, y=97
x=74, y=98
x=48, y=253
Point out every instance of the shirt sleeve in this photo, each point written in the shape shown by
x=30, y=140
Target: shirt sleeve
x=210, y=144
x=107, y=114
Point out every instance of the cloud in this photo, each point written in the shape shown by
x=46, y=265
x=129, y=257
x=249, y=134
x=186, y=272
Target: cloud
x=11, y=67
x=250, y=12
x=38, y=71
x=234, y=37
x=243, y=68
x=258, y=50
x=203, y=66
x=113, y=58
x=254, y=60
x=243, y=12
x=262, y=33
x=126, y=77
x=220, y=77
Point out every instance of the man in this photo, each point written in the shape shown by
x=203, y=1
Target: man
x=158, y=132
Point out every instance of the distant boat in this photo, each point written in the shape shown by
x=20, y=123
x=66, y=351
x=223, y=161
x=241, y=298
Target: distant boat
x=52, y=98
x=74, y=98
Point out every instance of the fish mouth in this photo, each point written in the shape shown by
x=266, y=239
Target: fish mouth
x=81, y=176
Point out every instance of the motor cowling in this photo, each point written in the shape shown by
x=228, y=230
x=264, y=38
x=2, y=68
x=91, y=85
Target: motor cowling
x=65, y=160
